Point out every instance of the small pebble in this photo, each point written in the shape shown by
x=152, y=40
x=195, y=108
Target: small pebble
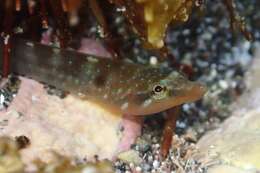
x=131, y=165
x=156, y=164
x=153, y=60
x=138, y=169
x=89, y=170
x=223, y=84
x=150, y=158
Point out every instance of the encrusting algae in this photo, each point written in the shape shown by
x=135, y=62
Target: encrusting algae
x=11, y=162
x=10, y=159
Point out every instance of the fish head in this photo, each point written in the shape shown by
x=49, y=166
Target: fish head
x=164, y=92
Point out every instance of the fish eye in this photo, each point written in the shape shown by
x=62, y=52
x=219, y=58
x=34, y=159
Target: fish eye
x=159, y=91
x=158, y=88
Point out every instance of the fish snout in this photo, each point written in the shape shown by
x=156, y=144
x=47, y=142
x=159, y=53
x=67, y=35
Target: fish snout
x=198, y=91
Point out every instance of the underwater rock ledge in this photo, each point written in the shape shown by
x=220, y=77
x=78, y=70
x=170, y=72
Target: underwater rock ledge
x=235, y=146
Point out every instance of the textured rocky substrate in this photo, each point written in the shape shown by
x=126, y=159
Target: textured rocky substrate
x=235, y=145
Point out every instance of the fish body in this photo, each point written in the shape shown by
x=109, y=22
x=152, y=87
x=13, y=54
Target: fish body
x=118, y=86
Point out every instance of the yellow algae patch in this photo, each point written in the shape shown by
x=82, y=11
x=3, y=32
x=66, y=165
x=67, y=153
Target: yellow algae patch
x=158, y=14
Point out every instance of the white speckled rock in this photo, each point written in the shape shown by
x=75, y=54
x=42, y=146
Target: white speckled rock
x=235, y=146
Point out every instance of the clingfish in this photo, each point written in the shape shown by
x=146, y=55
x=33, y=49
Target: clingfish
x=117, y=85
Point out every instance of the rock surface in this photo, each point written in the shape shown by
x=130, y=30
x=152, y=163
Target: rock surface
x=235, y=145
x=69, y=126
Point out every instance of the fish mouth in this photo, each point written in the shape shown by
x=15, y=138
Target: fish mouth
x=197, y=92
